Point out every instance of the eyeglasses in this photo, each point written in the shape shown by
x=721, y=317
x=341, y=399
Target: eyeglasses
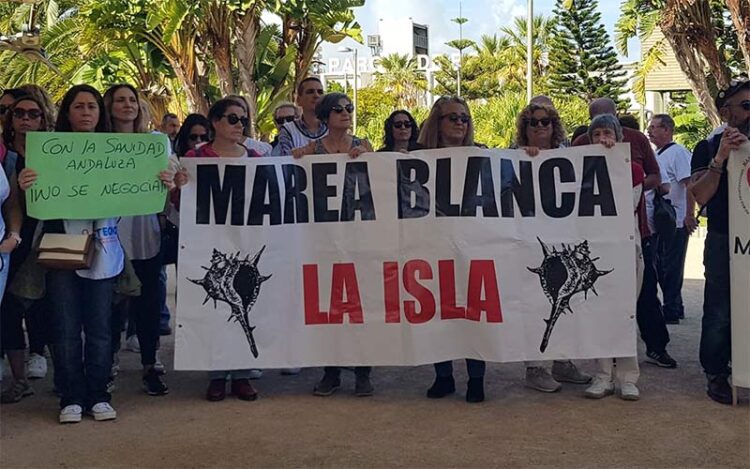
x=234, y=118
x=402, y=124
x=319, y=92
x=745, y=105
x=199, y=137
x=285, y=119
x=338, y=109
x=455, y=118
x=534, y=122
x=32, y=113
x=3, y=109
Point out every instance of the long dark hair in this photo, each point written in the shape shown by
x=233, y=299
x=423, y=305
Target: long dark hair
x=182, y=141
x=63, y=118
x=139, y=126
x=388, y=141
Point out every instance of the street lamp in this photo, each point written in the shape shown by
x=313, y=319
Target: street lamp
x=348, y=50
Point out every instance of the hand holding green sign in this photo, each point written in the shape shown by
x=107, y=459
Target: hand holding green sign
x=95, y=175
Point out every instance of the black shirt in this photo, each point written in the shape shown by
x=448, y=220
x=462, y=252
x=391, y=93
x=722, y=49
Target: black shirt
x=718, y=207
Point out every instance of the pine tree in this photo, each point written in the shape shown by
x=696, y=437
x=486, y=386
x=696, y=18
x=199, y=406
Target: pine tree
x=581, y=60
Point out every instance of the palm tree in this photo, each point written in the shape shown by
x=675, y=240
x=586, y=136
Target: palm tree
x=401, y=77
x=515, y=53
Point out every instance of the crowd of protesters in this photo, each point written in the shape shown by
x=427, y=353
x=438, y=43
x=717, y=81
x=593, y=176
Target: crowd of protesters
x=77, y=317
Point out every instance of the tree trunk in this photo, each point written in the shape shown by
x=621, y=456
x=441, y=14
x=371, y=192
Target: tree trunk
x=219, y=29
x=687, y=26
x=739, y=10
x=247, y=35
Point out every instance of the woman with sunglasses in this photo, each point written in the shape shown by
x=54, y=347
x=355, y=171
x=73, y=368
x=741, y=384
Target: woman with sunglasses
x=23, y=115
x=81, y=300
x=284, y=113
x=335, y=111
x=228, y=121
x=401, y=132
x=449, y=125
x=261, y=148
x=538, y=127
x=194, y=131
x=141, y=238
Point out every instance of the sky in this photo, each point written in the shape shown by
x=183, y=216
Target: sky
x=485, y=17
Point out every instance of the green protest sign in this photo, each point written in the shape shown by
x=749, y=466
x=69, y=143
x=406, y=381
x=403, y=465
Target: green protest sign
x=95, y=175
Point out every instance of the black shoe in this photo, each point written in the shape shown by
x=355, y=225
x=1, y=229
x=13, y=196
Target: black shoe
x=363, y=387
x=326, y=386
x=153, y=385
x=661, y=359
x=165, y=330
x=441, y=387
x=475, y=390
x=719, y=389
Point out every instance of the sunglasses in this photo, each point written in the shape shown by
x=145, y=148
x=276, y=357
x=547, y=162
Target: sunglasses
x=455, y=118
x=283, y=120
x=198, y=137
x=402, y=124
x=234, y=118
x=4, y=108
x=32, y=113
x=534, y=122
x=338, y=109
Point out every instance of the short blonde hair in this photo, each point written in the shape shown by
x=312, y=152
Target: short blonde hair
x=429, y=137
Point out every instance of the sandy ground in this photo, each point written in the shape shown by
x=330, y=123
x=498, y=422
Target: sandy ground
x=673, y=425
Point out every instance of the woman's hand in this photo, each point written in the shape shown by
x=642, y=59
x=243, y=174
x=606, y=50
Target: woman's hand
x=356, y=151
x=531, y=151
x=308, y=149
x=8, y=245
x=26, y=178
x=180, y=178
x=607, y=142
x=167, y=178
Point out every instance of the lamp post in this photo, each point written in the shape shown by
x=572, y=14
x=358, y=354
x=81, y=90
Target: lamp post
x=529, y=51
x=356, y=77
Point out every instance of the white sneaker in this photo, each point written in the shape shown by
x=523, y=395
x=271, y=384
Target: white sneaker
x=255, y=374
x=71, y=414
x=132, y=344
x=599, y=388
x=36, y=367
x=540, y=379
x=629, y=392
x=103, y=411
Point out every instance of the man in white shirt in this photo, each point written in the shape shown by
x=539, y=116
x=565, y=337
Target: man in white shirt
x=674, y=159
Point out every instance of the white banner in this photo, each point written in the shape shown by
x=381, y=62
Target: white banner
x=738, y=170
x=394, y=259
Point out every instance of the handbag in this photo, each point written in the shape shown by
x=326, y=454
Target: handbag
x=66, y=251
x=665, y=217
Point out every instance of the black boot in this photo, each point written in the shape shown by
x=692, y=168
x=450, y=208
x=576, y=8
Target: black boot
x=442, y=386
x=475, y=390
x=719, y=390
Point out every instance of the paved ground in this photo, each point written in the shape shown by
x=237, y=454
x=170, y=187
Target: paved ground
x=673, y=425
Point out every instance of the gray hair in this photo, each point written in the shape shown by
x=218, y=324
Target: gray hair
x=665, y=120
x=606, y=121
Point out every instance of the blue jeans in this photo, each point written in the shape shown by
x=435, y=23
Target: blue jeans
x=81, y=368
x=162, y=292
x=475, y=368
x=4, y=266
x=716, y=333
x=671, y=267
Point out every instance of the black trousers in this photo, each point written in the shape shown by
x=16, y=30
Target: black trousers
x=671, y=268
x=648, y=312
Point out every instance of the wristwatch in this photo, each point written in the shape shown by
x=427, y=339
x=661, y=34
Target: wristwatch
x=715, y=165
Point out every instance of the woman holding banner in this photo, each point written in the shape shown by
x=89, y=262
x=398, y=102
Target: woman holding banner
x=81, y=300
x=194, y=130
x=539, y=127
x=335, y=111
x=26, y=114
x=141, y=238
x=606, y=129
x=449, y=125
x=228, y=121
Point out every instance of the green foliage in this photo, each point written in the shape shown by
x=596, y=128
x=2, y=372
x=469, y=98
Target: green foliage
x=691, y=124
x=401, y=78
x=582, y=63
